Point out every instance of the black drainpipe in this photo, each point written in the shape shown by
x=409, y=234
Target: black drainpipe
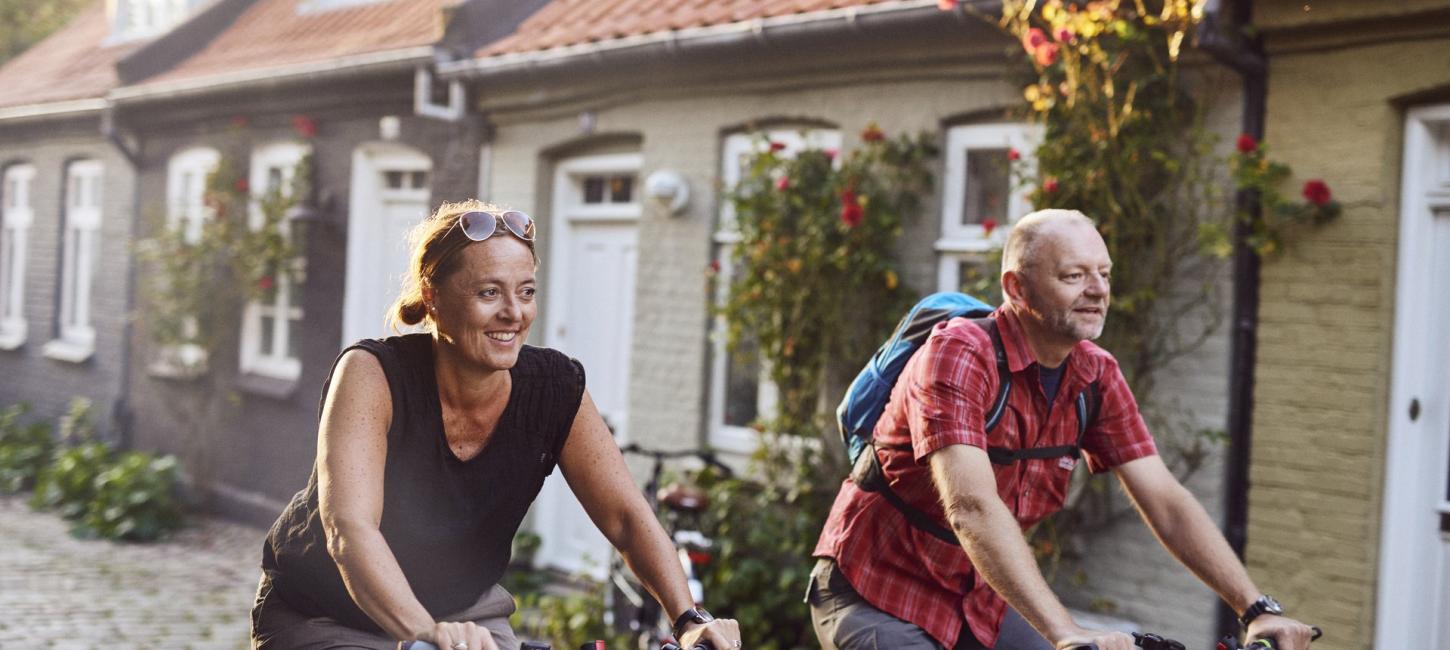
x=1222, y=35
x=121, y=413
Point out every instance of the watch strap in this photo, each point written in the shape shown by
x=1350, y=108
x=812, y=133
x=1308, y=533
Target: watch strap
x=692, y=615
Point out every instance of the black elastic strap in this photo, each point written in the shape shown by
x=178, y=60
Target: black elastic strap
x=913, y=516
x=1004, y=374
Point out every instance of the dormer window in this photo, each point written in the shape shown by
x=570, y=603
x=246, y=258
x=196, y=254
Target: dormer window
x=318, y=6
x=136, y=19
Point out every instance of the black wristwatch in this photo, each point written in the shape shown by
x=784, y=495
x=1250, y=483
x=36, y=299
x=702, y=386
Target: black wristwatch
x=1264, y=605
x=695, y=614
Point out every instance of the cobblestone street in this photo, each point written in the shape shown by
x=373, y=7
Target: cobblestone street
x=190, y=591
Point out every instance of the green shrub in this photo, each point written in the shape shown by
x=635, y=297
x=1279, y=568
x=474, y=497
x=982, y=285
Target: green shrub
x=565, y=621
x=24, y=450
x=68, y=484
x=764, y=531
x=134, y=499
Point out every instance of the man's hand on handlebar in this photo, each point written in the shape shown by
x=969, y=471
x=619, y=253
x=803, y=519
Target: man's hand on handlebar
x=459, y=636
x=1286, y=633
x=1097, y=639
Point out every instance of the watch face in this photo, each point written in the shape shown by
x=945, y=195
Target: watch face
x=1272, y=606
x=705, y=617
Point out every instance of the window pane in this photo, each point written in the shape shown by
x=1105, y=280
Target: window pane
x=621, y=189
x=292, y=347
x=420, y=180
x=988, y=186
x=266, y=326
x=274, y=179
x=394, y=179
x=594, y=189
x=742, y=384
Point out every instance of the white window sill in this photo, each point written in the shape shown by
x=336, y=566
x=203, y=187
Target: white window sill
x=69, y=351
x=266, y=385
x=12, y=336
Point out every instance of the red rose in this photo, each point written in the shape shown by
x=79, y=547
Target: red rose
x=1033, y=39
x=265, y=283
x=1317, y=192
x=1247, y=143
x=1013, y=154
x=714, y=267
x=851, y=212
x=1064, y=35
x=241, y=122
x=988, y=225
x=242, y=185
x=1046, y=55
x=1050, y=185
x=304, y=126
x=782, y=183
x=873, y=133
x=776, y=146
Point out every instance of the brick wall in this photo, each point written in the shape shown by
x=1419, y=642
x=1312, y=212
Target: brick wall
x=29, y=376
x=682, y=123
x=1327, y=319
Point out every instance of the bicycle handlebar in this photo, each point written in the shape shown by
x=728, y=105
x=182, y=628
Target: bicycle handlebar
x=1155, y=642
x=661, y=455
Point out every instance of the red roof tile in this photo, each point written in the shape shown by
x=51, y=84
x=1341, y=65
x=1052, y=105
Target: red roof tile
x=573, y=22
x=272, y=33
x=73, y=63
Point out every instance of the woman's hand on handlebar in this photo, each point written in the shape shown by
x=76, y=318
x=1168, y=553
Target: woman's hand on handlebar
x=1097, y=640
x=1286, y=633
x=459, y=636
x=720, y=634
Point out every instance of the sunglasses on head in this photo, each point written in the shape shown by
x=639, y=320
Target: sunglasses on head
x=481, y=225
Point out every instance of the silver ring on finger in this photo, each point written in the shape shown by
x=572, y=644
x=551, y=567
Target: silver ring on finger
x=459, y=645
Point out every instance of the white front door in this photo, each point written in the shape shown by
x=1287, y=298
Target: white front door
x=389, y=197
x=1414, y=590
x=592, y=256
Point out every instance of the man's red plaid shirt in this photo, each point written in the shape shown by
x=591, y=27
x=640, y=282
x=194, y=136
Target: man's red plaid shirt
x=941, y=399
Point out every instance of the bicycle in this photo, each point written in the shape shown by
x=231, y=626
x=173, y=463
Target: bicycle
x=1157, y=642
x=679, y=506
x=535, y=645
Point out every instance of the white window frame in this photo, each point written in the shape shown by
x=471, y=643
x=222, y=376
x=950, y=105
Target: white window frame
x=187, y=174
x=16, y=216
x=960, y=242
x=76, y=336
x=274, y=363
x=137, y=19
x=736, y=147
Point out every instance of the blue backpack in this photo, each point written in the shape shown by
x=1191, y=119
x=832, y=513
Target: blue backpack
x=865, y=400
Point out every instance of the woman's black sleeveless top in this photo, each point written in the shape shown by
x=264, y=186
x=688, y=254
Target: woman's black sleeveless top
x=449, y=523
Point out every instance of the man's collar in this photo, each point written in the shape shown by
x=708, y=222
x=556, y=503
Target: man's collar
x=1019, y=354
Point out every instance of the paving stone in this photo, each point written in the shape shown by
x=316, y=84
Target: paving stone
x=192, y=590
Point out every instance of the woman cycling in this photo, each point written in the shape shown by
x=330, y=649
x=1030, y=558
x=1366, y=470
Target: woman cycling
x=430, y=448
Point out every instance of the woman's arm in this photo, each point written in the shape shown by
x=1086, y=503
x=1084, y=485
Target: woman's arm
x=597, y=475
x=352, y=446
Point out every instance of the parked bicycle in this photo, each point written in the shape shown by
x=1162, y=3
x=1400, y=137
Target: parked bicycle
x=680, y=506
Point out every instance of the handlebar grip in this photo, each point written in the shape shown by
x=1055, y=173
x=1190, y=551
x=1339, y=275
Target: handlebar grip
x=1090, y=646
x=703, y=645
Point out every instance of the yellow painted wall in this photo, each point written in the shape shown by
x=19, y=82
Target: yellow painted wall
x=1335, y=112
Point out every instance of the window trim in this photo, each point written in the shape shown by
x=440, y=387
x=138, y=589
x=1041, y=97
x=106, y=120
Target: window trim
x=253, y=359
x=75, y=340
x=732, y=438
x=961, y=243
x=17, y=215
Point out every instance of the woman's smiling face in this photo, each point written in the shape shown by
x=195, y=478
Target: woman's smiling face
x=484, y=308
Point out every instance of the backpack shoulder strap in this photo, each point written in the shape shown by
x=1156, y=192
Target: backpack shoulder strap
x=916, y=518
x=1004, y=374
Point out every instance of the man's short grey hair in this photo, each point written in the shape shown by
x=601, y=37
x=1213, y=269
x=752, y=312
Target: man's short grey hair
x=1027, y=236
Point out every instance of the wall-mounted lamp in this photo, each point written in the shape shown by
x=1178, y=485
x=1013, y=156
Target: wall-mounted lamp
x=668, y=187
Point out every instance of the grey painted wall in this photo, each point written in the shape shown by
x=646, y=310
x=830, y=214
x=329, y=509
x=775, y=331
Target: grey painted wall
x=27, y=375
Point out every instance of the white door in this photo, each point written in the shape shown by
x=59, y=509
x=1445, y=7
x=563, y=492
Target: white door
x=389, y=197
x=592, y=260
x=1414, y=590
